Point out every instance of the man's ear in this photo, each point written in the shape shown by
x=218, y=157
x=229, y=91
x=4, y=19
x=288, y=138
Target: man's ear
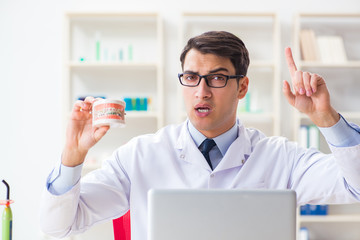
x=243, y=87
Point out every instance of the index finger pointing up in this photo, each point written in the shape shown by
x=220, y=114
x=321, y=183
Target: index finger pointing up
x=290, y=61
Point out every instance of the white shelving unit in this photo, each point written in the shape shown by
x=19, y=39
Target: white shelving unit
x=342, y=222
x=261, y=35
x=115, y=55
x=342, y=79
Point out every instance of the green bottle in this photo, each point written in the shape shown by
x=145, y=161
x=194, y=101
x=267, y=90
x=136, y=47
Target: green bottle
x=130, y=52
x=7, y=215
x=7, y=223
x=97, y=46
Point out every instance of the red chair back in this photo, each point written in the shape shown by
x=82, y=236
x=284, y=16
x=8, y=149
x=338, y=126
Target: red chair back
x=121, y=227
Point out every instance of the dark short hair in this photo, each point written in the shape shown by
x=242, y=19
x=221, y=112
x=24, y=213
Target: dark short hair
x=223, y=44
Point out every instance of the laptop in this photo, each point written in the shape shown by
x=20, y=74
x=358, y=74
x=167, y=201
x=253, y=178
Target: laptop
x=220, y=214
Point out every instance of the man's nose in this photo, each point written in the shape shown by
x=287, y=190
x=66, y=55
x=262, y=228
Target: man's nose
x=203, y=90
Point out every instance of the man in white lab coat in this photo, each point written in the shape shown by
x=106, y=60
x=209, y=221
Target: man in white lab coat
x=214, y=79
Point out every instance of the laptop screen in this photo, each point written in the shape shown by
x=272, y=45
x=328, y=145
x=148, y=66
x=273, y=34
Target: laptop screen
x=209, y=214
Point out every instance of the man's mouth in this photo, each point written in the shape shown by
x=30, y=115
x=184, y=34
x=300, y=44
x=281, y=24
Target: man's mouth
x=203, y=110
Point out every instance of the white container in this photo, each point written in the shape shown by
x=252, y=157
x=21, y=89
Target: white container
x=108, y=112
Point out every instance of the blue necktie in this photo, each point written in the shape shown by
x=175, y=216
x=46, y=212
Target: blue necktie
x=207, y=145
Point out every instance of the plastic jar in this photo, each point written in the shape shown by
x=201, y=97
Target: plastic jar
x=108, y=112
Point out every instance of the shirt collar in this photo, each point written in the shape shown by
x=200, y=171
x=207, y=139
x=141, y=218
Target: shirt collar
x=222, y=141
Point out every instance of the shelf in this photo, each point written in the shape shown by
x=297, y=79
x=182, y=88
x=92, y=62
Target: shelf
x=249, y=116
x=348, y=64
x=141, y=114
x=329, y=219
x=108, y=15
x=229, y=14
x=255, y=117
x=346, y=115
x=260, y=64
x=100, y=65
x=331, y=15
x=136, y=114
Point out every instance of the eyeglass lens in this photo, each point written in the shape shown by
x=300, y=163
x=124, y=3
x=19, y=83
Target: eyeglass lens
x=213, y=80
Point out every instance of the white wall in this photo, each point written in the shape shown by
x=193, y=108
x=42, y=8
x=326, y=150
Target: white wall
x=30, y=81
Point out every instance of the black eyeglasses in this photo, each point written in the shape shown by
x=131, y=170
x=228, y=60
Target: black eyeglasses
x=212, y=80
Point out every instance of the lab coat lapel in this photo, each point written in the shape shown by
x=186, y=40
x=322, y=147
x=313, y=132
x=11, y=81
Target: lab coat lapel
x=238, y=151
x=188, y=150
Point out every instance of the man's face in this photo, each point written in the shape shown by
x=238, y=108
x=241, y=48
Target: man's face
x=212, y=110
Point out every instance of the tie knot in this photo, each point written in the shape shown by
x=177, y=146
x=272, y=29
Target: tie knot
x=208, y=144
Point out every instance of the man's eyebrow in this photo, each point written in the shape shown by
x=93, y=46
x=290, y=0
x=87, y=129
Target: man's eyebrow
x=190, y=72
x=218, y=70
x=212, y=71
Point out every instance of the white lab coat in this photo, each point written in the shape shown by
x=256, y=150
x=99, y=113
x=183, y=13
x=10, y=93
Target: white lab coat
x=170, y=159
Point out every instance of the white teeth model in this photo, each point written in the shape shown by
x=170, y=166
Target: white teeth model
x=203, y=110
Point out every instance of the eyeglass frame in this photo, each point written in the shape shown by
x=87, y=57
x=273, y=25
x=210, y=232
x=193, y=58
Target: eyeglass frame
x=207, y=83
